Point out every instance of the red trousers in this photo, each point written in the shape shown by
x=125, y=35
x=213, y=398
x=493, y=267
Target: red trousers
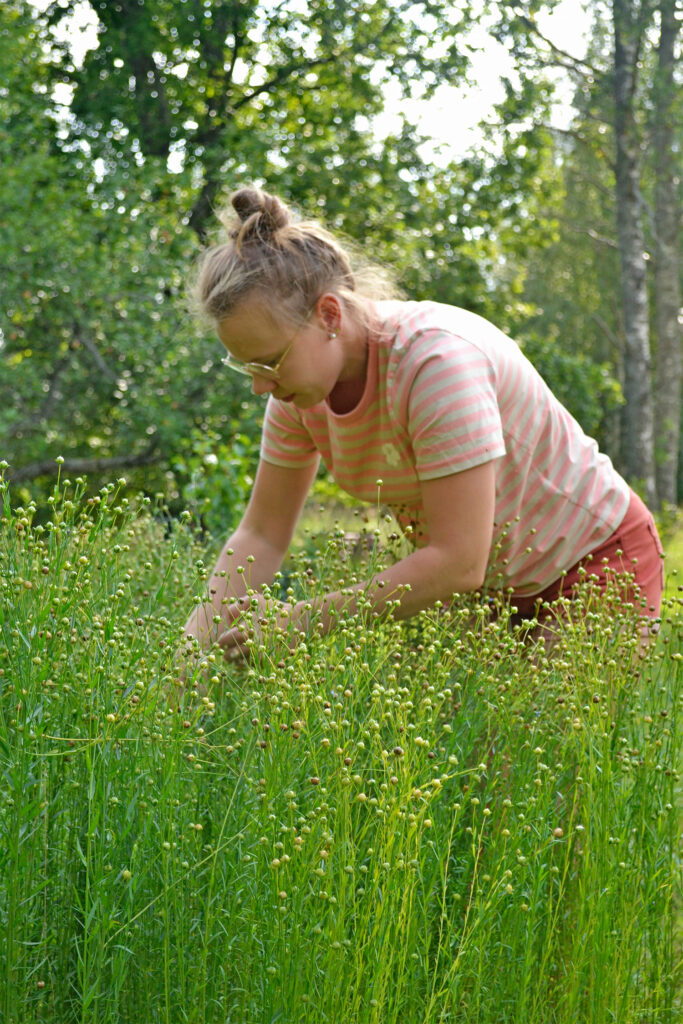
x=633, y=548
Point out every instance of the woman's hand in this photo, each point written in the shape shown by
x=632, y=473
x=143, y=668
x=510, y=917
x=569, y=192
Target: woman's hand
x=253, y=617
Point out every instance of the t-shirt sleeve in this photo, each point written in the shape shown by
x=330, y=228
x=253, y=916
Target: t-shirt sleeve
x=449, y=406
x=284, y=439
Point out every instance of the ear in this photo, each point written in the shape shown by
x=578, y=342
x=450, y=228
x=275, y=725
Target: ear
x=328, y=309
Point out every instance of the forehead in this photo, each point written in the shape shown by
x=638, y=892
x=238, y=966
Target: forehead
x=253, y=331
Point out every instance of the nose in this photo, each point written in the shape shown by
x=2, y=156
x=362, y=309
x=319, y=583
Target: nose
x=261, y=385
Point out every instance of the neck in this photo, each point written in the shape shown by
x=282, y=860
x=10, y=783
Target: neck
x=355, y=340
x=349, y=389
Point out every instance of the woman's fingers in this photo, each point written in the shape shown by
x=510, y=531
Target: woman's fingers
x=247, y=619
x=237, y=610
x=233, y=643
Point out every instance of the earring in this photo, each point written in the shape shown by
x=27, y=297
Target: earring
x=332, y=335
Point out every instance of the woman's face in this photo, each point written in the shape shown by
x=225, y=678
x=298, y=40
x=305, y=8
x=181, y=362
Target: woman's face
x=308, y=358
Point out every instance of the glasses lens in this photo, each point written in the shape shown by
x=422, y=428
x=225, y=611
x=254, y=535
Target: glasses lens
x=260, y=370
x=251, y=369
x=237, y=367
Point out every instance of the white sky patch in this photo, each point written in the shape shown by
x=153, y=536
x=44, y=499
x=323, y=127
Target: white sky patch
x=451, y=118
x=79, y=30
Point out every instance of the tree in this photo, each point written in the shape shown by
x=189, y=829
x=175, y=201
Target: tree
x=666, y=113
x=89, y=348
x=102, y=363
x=624, y=104
x=223, y=84
x=631, y=19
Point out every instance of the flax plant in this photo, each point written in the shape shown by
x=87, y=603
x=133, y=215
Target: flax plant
x=440, y=821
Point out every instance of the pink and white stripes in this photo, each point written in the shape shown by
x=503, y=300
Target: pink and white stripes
x=446, y=391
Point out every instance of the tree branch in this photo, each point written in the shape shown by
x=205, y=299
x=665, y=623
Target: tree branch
x=86, y=341
x=238, y=40
x=562, y=57
x=591, y=233
x=48, y=467
x=46, y=407
x=615, y=343
x=282, y=75
x=585, y=140
x=593, y=183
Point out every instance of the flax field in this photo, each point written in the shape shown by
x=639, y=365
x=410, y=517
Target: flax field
x=441, y=821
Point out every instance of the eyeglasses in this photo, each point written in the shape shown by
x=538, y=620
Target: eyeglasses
x=270, y=372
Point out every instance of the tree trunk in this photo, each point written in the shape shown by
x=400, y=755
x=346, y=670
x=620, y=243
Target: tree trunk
x=638, y=423
x=667, y=287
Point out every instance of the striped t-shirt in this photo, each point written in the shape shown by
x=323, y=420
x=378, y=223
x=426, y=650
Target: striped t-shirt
x=446, y=391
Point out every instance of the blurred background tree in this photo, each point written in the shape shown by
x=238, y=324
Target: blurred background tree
x=610, y=285
x=115, y=163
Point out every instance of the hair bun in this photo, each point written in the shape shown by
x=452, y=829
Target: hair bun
x=260, y=213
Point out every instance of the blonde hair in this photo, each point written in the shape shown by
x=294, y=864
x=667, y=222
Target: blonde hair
x=286, y=262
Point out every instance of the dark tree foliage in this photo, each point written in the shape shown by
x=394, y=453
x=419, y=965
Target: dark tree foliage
x=229, y=84
x=108, y=199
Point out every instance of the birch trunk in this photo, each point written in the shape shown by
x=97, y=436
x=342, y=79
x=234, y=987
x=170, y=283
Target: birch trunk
x=667, y=287
x=638, y=422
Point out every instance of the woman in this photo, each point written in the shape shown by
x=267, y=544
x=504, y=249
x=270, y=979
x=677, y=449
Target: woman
x=491, y=478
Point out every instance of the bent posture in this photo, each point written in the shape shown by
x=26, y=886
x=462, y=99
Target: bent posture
x=492, y=480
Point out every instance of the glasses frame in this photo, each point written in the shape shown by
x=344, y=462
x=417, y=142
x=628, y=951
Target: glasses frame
x=253, y=369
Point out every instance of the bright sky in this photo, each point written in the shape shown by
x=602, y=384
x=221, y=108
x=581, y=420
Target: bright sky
x=451, y=117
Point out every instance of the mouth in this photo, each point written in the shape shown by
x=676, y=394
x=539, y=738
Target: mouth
x=287, y=398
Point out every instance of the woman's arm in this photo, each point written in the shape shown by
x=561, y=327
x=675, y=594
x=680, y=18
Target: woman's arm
x=257, y=546
x=459, y=512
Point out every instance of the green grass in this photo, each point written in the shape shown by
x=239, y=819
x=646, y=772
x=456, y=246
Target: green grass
x=673, y=557
x=432, y=822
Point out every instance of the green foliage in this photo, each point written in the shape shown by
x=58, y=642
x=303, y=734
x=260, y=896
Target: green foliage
x=100, y=358
x=104, y=198
x=395, y=823
x=574, y=286
x=230, y=86
x=215, y=479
